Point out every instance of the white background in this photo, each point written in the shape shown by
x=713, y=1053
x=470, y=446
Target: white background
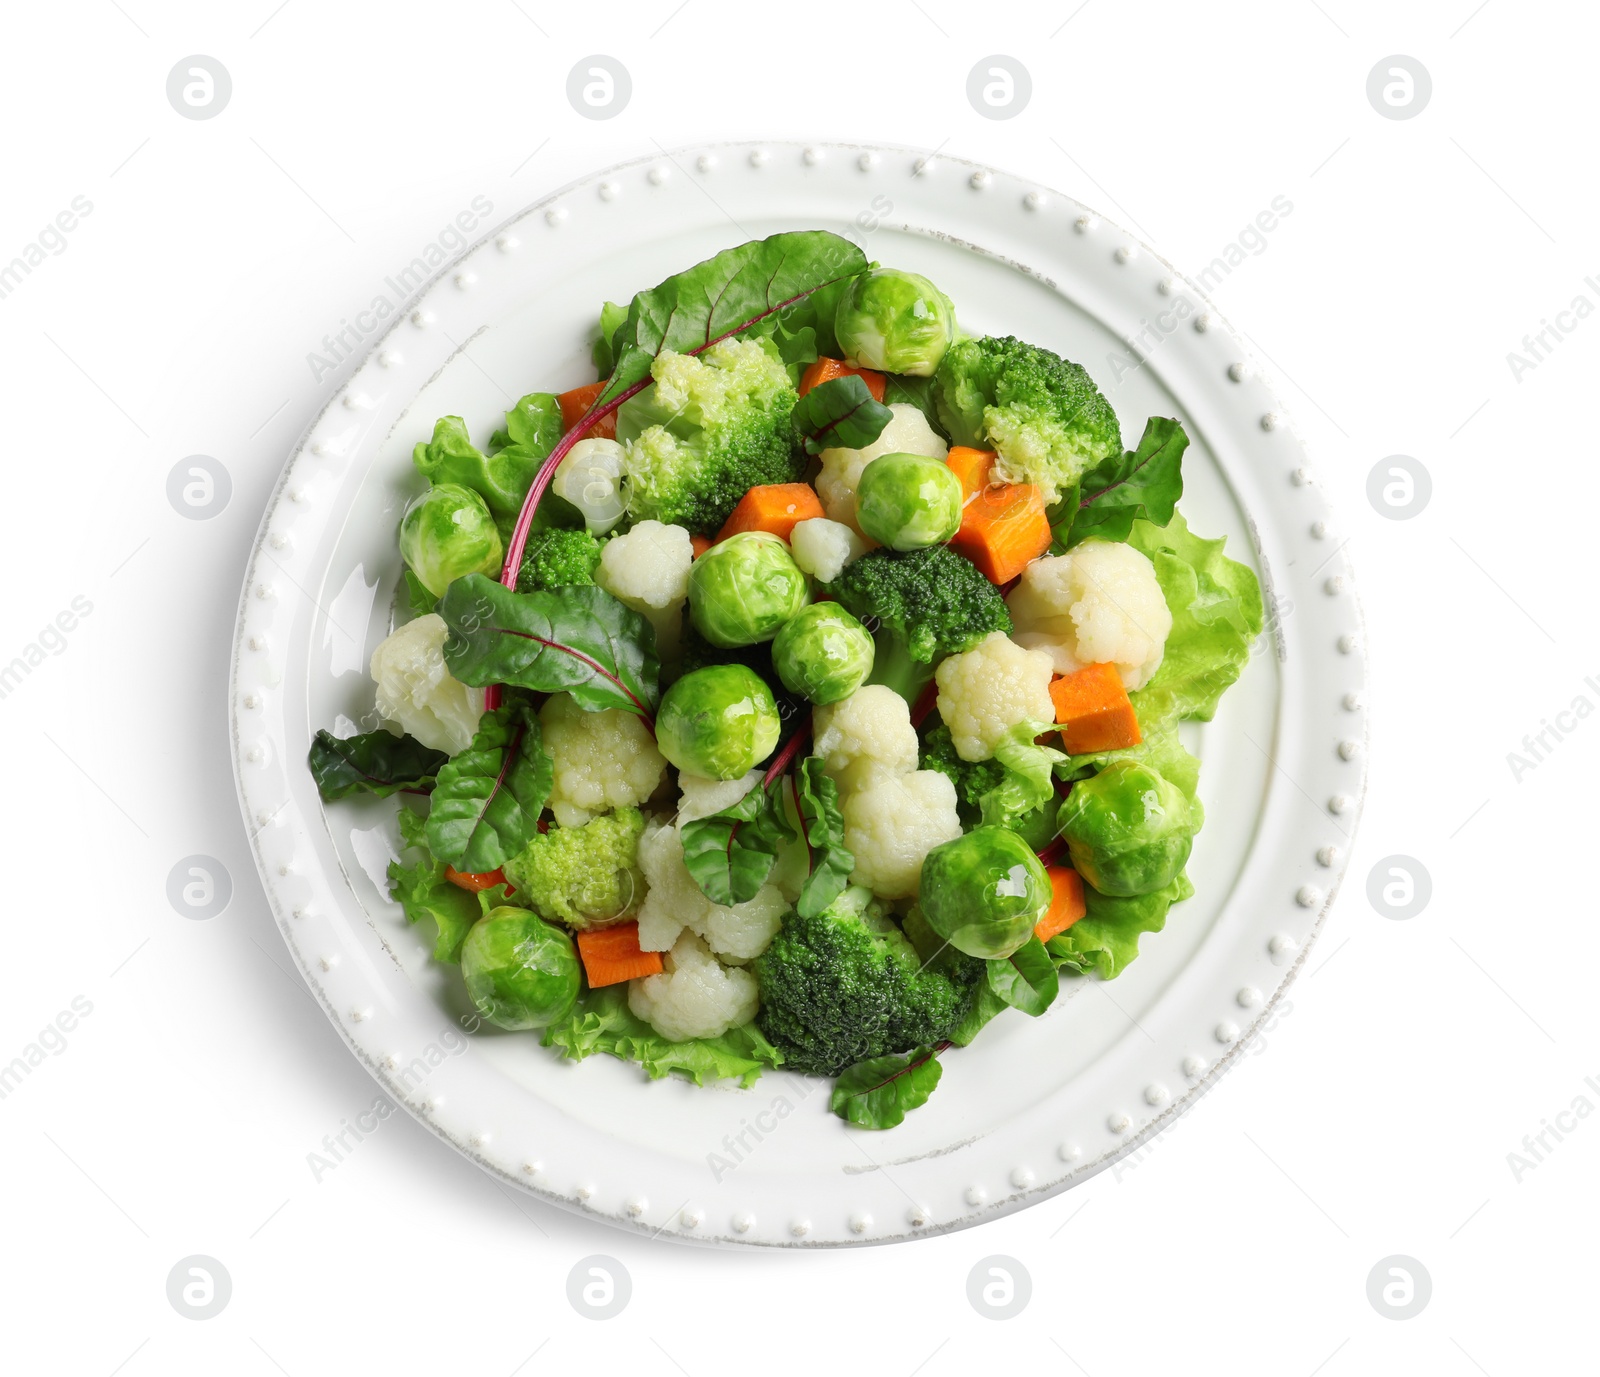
x=1376, y=1115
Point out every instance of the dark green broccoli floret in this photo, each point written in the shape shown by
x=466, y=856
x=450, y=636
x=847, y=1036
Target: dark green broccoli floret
x=1041, y=413
x=920, y=606
x=557, y=558
x=707, y=430
x=847, y=985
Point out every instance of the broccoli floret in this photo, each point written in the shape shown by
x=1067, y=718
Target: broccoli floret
x=847, y=985
x=711, y=427
x=557, y=558
x=584, y=876
x=1040, y=413
x=972, y=778
x=921, y=606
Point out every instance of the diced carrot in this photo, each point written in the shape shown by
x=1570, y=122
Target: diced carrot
x=700, y=544
x=578, y=401
x=476, y=880
x=826, y=370
x=1003, y=530
x=612, y=955
x=1093, y=711
x=774, y=507
x=972, y=467
x=1066, y=903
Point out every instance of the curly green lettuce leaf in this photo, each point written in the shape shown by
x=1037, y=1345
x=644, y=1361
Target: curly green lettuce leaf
x=602, y=1022
x=501, y=478
x=1141, y=484
x=1216, y=613
x=423, y=892
x=839, y=414
x=881, y=1091
x=487, y=799
x=1028, y=781
x=1160, y=747
x=817, y=802
x=377, y=762
x=1106, y=939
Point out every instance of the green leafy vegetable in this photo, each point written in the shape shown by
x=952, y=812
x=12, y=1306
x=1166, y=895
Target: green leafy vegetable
x=1143, y=483
x=419, y=601
x=501, y=479
x=1026, y=979
x=578, y=640
x=839, y=414
x=488, y=798
x=817, y=801
x=917, y=392
x=1028, y=782
x=984, y=1008
x=602, y=1022
x=1216, y=614
x=1106, y=939
x=731, y=853
x=423, y=892
x=611, y=316
x=533, y=425
x=881, y=1091
x=377, y=762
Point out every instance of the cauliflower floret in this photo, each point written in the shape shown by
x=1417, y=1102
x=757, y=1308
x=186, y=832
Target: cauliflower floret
x=892, y=824
x=702, y=797
x=416, y=690
x=865, y=737
x=647, y=569
x=674, y=903
x=603, y=760
x=696, y=997
x=985, y=691
x=908, y=432
x=822, y=548
x=1099, y=603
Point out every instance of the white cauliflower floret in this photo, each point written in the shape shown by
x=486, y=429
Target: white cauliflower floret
x=822, y=548
x=1099, y=603
x=892, y=824
x=647, y=569
x=865, y=737
x=603, y=760
x=985, y=691
x=674, y=903
x=696, y=997
x=908, y=432
x=416, y=690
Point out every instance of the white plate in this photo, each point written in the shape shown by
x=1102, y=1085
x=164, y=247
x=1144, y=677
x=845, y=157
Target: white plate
x=1034, y=1106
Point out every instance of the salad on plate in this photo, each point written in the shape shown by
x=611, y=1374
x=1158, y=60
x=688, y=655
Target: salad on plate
x=803, y=692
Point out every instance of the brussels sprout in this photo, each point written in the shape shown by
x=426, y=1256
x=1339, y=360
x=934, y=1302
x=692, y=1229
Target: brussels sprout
x=744, y=588
x=718, y=721
x=447, y=533
x=521, y=971
x=824, y=653
x=1128, y=829
x=896, y=321
x=984, y=892
x=908, y=501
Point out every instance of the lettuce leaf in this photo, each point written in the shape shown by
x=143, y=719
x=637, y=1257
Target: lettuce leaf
x=423, y=892
x=602, y=1022
x=501, y=477
x=1216, y=614
x=1027, y=783
x=1106, y=939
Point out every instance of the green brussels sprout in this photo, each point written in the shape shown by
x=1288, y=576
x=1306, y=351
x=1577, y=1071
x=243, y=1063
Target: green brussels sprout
x=718, y=721
x=823, y=654
x=448, y=533
x=744, y=588
x=909, y=501
x=1128, y=829
x=896, y=321
x=521, y=971
x=984, y=892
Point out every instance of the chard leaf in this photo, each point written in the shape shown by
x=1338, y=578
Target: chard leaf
x=419, y=600
x=377, y=762
x=1026, y=979
x=881, y=1091
x=839, y=414
x=487, y=799
x=817, y=801
x=611, y=316
x=579, y=640
x=731, y=853
x=1143, y=483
